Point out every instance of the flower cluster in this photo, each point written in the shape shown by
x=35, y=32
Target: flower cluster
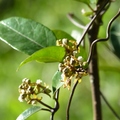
x=73, y=65
x=29, y=91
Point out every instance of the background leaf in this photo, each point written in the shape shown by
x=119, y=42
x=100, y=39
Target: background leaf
x=61, y=34
x=84, y=1
x=26, y=35
x=83, y=53
x=87, y=1
x=48, y=54
x=93, y=1
x=56, y=81
x=115, y=39
x=27, y=113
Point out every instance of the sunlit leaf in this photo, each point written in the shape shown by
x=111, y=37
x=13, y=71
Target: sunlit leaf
x=56, y=81
x=61, y=34
x=115, y=39
x=27, y=113
x=47, y=55
x=26, y=35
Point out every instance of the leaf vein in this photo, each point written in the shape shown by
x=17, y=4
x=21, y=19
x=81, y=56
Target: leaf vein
x=20, y=34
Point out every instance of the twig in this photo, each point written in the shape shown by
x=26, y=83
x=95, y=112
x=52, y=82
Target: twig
x=56, y=100
x=103, y=39
x=56, y=105
x=91, y=22
x=70, y=100
x=76, y=21
x=110, y=107
x=44, y=104
x=90, y=8
x=46, y=109
x=106, y=8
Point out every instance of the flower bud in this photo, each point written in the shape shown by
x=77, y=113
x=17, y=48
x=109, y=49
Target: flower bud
x=20, y=98
x=58, y=42
x=85, y=65
x=33, y=102
x=38, y=81
x=64, y=41
x=72, y=61
x=80, y=59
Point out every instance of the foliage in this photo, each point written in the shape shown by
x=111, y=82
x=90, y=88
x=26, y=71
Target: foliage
x=47, y=55
x=115, y=39
x=45, y=45
x=29, y=112
x=20, y=32
x=87, y=1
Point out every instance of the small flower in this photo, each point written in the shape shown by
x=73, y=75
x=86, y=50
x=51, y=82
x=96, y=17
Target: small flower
x=80, y=59
x=25, y=80
x=72, y=61
x=29, y=91
x=59, y=42
x=38, y=81
x=64, y=41
x=20, y=98
x=33, y=102
x=75, y=53
x=67, y=83
x=73, y=65
x=60, y=67
x=22, y=91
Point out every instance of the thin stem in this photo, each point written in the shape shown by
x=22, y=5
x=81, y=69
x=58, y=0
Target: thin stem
x=75, y=20
x=44, y=104
x=91, y=22
x=54, y=110
x=103, y=39
x=90, y=7
x=70, y=100
x=46, y=109
x=110, y=107
x=56, y=100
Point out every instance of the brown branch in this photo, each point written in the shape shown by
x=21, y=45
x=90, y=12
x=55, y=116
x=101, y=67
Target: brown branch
x=54, y=110
x=103, y=39
x=70, y=100
x=96, y=16
x=93, y=68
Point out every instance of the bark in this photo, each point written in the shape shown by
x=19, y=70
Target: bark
x=93, y=68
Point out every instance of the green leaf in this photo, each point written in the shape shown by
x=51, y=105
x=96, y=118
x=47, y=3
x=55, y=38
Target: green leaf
x=56, y=81
x=26, y=35
x=84, y=1
x=47, y=55
x=27, y=113
x=87, y=1
x=93, y=1
x=61, y=34
x=83, y=53
x=115, y=39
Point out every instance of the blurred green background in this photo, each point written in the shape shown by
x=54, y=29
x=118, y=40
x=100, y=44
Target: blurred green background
x=53, y=14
